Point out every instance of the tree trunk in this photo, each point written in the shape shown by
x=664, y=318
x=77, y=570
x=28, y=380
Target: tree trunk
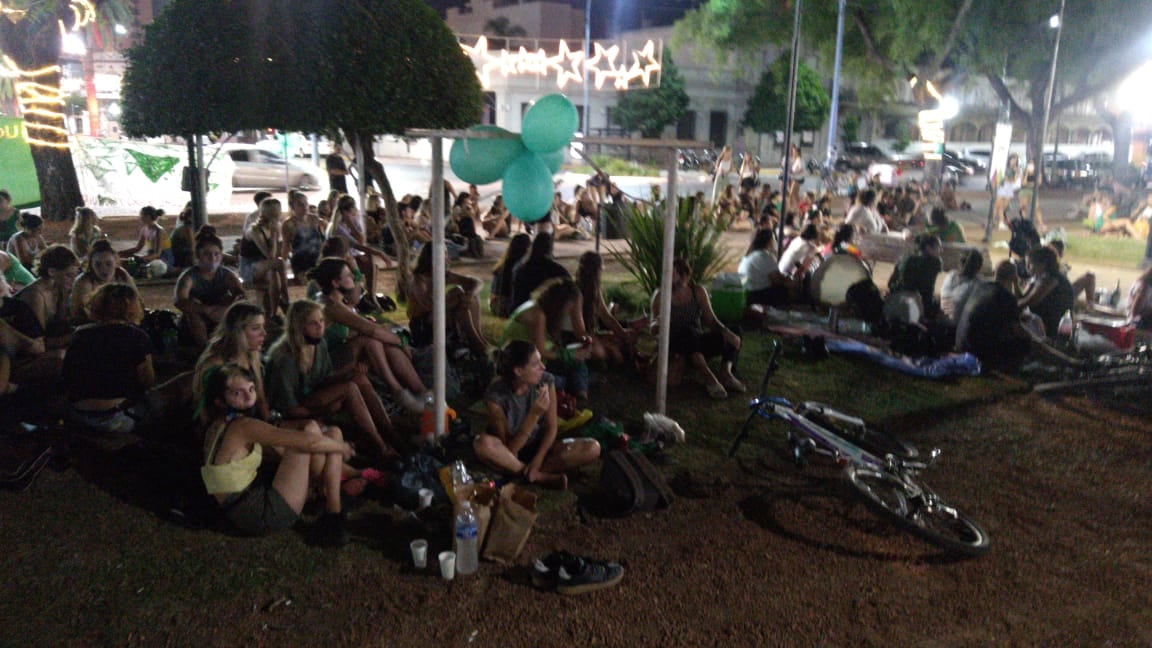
x=59, y=187
x=403, y=247
x=34, y=47
x=1121, y=147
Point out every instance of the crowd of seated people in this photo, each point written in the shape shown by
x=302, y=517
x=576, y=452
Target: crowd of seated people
x=332, y=370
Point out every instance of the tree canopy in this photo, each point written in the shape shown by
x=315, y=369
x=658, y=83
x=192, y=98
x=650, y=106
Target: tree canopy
x=369, y=67
x=949, y=42
x=651, y=110
x=768, y=106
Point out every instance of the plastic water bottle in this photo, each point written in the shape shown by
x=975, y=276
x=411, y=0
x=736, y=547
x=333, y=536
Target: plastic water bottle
x=1114, y=299
x=467, y=558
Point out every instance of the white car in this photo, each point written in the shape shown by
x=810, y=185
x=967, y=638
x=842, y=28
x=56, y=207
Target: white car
x=257, y=168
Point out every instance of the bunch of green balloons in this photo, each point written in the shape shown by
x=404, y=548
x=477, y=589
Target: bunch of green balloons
x=525, y=162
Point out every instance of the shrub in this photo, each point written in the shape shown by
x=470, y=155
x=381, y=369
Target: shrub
x=697, y=242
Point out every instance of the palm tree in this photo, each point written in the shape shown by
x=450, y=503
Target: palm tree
x=30, y=42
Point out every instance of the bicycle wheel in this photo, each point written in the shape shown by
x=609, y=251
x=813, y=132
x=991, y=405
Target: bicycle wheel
x=942, y=525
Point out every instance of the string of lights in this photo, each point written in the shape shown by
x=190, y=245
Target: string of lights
x=568, y=65
x=43, y=100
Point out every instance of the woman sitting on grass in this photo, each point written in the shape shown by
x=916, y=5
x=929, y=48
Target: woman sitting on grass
x=301, y=383
x=500, y=297
x=461, y=305
x=108, y=362
x=613, y=340
x=261, y=502
x=153, y=242
x=261, y=247
x=697, y=334
x=238, y=340
x=541, y=321
x=354, y=339
x=103, y=268
x=27, y=244
x=521, y=438
x=84, y=232
x=50, y=294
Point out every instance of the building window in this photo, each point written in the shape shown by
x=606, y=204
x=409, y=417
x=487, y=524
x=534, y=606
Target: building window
x=686, y=127
x=718, y=127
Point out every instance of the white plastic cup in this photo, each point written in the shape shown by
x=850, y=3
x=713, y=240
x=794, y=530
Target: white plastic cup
x=448, y=564
x=425, y=498
x=419, y=553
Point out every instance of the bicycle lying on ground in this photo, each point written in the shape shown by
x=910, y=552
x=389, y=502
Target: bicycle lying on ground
x=882, y=469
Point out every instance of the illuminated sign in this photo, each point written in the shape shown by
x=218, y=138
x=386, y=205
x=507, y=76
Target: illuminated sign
x=639, y=67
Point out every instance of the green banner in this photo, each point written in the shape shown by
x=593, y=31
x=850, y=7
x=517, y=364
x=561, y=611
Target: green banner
x=17, y=172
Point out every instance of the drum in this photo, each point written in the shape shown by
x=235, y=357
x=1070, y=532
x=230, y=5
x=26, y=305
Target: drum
x=830, y=281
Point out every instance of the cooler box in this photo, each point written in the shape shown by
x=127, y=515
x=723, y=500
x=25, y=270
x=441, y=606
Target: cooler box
x=728, y=298
x=1120, y=332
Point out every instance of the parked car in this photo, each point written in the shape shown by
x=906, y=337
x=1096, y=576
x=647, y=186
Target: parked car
x=1070, y=173
x=960, y=165
x=981, y=156
x=257, y=168
x=858, y=156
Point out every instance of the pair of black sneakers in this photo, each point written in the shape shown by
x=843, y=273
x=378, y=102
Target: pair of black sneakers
x=570, y=574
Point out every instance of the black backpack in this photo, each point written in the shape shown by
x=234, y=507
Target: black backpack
x=630, y=483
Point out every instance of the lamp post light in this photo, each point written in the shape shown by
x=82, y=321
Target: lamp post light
x=1055, y=22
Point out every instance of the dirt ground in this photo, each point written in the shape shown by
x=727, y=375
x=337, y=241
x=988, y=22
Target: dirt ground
x=753, y=553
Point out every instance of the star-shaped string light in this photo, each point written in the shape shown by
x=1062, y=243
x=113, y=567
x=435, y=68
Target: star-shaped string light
x=568, y=65
x=575, y=72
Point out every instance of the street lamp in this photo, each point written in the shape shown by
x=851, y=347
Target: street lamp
x=1055, y=22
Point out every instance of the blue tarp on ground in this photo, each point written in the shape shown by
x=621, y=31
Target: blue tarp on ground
x=953, y=364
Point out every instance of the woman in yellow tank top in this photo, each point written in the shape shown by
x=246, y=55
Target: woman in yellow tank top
x=259, y=502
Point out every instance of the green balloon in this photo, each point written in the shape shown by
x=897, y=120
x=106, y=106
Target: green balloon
x=554, y=160
x=481, y=161
x=549, y=124
x=528, y=188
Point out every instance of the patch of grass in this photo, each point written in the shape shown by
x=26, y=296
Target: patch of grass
x=1083, y=248
x=614, y=166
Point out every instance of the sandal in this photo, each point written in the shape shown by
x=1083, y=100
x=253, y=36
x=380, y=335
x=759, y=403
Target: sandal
x=717, y=391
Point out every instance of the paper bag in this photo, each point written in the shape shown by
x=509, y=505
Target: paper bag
x=511, y=525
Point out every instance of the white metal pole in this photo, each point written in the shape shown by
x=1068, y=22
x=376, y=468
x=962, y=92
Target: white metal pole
x=587, y=55
x=1038, y=167
x=670, y=211
x=440, y=384
x=834, y=113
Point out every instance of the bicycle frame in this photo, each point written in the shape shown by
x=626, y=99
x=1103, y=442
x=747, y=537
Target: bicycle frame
x=841, y=451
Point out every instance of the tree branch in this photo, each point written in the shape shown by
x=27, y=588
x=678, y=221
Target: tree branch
x=872, y=52
x=957, y=28
x=1002, y=91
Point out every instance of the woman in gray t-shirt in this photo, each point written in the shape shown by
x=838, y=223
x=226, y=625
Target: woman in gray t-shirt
x=521, y=436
